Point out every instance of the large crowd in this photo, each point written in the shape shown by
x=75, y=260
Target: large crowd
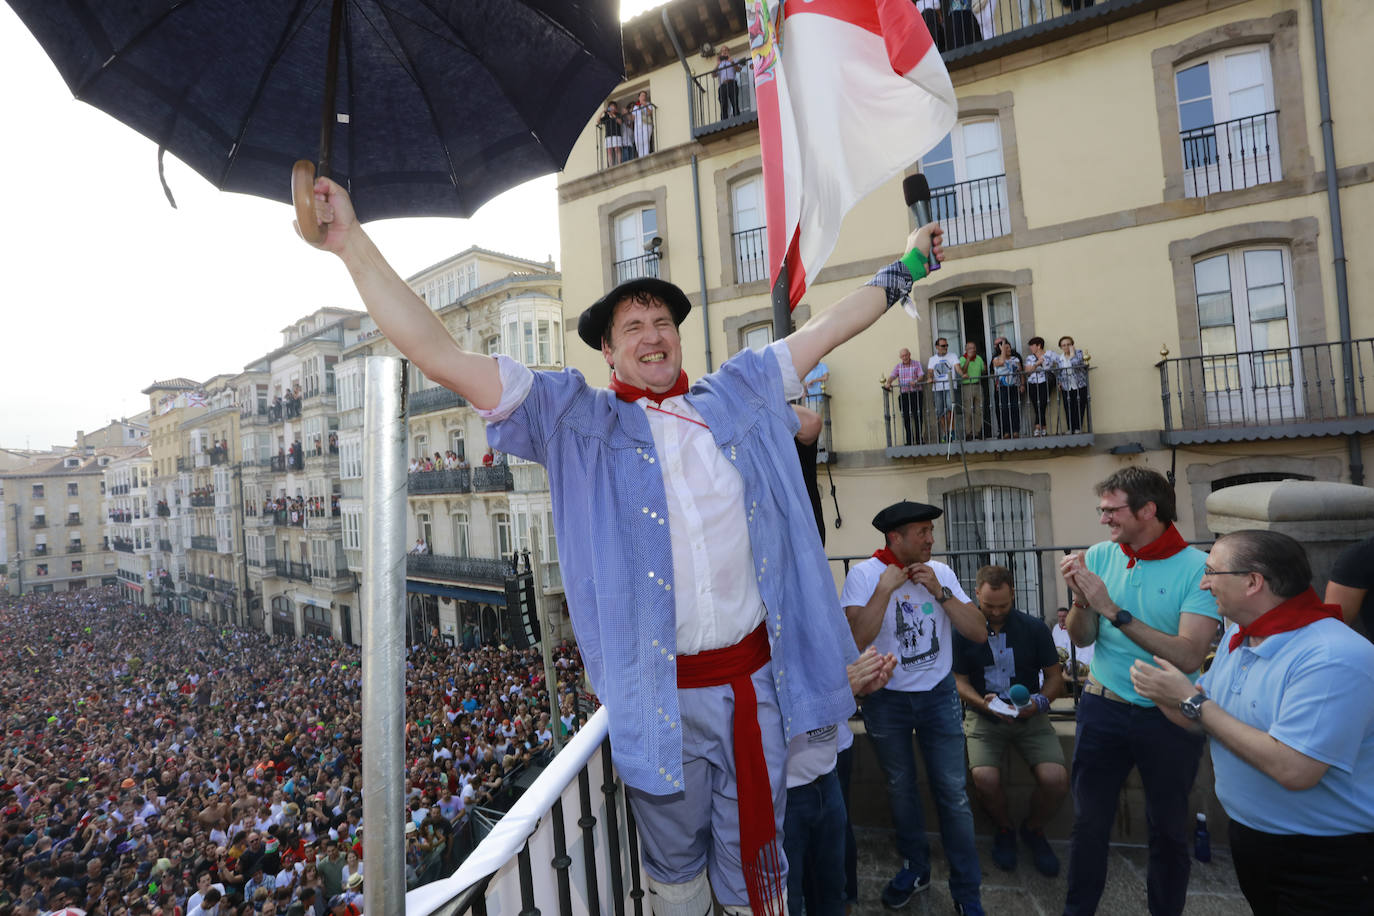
x=152, y=765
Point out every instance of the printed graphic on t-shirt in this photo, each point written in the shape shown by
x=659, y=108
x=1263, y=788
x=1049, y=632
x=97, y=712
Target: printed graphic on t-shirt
x=916, y=635
x=823, y=734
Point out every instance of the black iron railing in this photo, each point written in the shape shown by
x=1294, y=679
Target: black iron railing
x=493, y=479
x=750, y=247
x=1313, y=389
x=972, y=211
x=431, y=399
x=458, y=569
x=458, y=480
x=202, y=542
x=1008, y=413
x=1231, y=155
x=635, y=137
x=716, y=105
x=164, y=545
x=288, y=569
x=645, y=265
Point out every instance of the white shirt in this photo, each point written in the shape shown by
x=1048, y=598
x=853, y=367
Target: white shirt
x=943, y=369
x=915, y=626
x=811, y=755
x=717, y=602
x=1062, y=641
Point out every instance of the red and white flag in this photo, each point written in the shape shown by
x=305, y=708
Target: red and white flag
x=850, y=95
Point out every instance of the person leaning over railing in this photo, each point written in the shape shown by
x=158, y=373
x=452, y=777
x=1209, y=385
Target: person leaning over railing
x=1071, y=375
x=727, y=79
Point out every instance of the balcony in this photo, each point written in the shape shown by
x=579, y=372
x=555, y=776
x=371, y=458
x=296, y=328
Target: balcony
x=253, y=417
x=163, y=511
x=1286, y=393
x=716, y=106
x=1231, y=155
x=121, y=516
x=203, y=501
x=122, y=545
x=203, y=542
x=75, y=547
x=40, y=550
x=184, y=464
x=291, y=570
x=323, y=521
x=626, y=141
x=282, y=519
x=972, y=211
x=39, y=522
x=314, y=390
x=432, y=399
x=278, y=464
x=341, y=581
x=494, y=479
x=73, y=520
x=164, y=545
x=454, y=481
x=987, y=417
x=458, y=569
x=632, y=268
x=751, y=254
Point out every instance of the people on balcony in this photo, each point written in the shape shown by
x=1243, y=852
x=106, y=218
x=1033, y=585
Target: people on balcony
x=972, y=370
x=1038, y=364
x=1071, y=375
x=908, y=375
x=611, y=123
x=727, y=83
x=1008, y=385
x=333, y=443
x=642, y=119
x=943, y=371
x=296, y=456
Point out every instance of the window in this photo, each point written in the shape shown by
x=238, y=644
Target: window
x=1228, y=124
x=747, y=237
x=981, y=317
x=73, y=489
x=457, y=445
x=76, y=566
x=42, y=569
x=634, y=231
x=461, y=546
x=38, y=491
x=352, y=529
x=502, y=535
x=968, y=182
x=999, y=524
x=758, y=337
x=1249, y=366
x=426, y=531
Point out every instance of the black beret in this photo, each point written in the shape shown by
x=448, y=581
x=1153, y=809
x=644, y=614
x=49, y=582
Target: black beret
x=904, y=513
x=591, y=326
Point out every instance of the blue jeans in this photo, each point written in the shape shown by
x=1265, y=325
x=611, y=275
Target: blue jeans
x=1112, y=738
x=936, y=718
x=813, y=839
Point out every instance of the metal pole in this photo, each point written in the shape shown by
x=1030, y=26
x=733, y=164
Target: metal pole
x=545, y=639
x=782, y=304
x=383, y=612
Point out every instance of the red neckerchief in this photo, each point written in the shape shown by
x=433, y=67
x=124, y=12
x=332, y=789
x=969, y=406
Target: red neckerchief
x=1161, y=548
x=629, y=393
x=1296, y=612
x=887, y=557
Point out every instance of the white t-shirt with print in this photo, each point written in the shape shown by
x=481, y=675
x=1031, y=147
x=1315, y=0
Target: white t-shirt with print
x=915, y=627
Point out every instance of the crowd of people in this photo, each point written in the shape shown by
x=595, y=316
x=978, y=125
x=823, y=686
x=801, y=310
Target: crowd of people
x=972, y=397
x=152, y=765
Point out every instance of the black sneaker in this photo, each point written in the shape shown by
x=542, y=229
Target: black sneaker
x=905, y=883
x=1046, y=862
x=1004, y=849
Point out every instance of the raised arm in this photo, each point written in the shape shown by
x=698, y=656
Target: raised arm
x=854, y=312
x=400, y=314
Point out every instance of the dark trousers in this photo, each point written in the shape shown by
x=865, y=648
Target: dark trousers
x=844, y=766
x=1008, y=406
x=1039, y=397
x=1112, y=739
x=1075, y=402
x=1288, y=874
x=913, y=416
x=728, y=95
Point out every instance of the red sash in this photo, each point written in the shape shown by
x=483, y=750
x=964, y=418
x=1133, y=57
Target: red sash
x=1161, y=548
x=1295, y=613
x=627, y=392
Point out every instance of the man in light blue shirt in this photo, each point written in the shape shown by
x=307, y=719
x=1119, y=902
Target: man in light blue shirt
x=1292, y=724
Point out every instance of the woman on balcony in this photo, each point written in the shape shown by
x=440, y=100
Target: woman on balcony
x=642, y=115
x=1071, y=373
x=1038, y=381
x=1008, y=385
x=610, y=124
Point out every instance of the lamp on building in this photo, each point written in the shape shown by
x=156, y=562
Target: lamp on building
x=654, y=247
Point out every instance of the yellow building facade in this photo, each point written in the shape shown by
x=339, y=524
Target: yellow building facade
x=1148, y=179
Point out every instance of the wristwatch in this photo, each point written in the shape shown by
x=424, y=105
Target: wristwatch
x=1192, y=707
x=1123, y=617
x=945, y=594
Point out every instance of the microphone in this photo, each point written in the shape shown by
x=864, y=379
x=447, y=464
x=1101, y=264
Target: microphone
x=1020, y=696
x=916, y=190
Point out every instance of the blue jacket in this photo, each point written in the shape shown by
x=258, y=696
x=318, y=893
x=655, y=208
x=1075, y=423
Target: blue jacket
x=607, y=491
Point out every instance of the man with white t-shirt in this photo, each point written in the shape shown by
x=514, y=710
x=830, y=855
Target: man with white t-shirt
x=902, y=602
x=203, y=886
x=943, y=371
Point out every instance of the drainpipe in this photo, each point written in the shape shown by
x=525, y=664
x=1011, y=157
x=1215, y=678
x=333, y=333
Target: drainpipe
x=696, y=187
x=1333, y=200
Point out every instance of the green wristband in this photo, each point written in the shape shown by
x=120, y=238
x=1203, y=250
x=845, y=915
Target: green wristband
x=915, y=262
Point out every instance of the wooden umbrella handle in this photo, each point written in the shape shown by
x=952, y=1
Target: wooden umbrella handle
x=303, y=196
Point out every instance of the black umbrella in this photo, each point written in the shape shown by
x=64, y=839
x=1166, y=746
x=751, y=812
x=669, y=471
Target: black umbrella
x=430, y=107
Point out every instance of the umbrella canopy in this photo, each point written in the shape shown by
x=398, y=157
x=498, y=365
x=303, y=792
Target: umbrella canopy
x=439, y=105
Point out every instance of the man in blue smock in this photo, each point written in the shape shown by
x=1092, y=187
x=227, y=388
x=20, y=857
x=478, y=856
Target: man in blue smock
x=696, y=582
x=1287, y=705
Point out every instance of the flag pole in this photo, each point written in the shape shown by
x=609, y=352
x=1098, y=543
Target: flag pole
x=782, y=305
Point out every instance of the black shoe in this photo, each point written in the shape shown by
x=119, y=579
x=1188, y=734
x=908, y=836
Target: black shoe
x=905, y=883
x=1004, y=849
x=1046, y=862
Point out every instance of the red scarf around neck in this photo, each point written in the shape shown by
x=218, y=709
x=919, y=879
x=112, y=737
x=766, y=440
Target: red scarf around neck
x=1298, y=611
x=629, y=393
x=887, y=557
x=1161, y=548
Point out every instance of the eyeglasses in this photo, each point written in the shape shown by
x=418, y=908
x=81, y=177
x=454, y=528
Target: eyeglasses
x=1110, y=510
x=1209, y=571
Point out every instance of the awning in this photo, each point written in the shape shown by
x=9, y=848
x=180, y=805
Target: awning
x=463, y=592
x=130, y=585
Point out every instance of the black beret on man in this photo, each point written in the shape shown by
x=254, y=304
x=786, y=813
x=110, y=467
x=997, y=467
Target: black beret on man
x=904, y=513
x=592, y=324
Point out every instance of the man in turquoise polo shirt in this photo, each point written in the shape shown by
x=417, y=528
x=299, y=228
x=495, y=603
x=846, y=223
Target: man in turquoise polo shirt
x=1138, y=597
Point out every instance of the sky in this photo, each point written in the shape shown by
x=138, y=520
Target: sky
x=105, y=288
